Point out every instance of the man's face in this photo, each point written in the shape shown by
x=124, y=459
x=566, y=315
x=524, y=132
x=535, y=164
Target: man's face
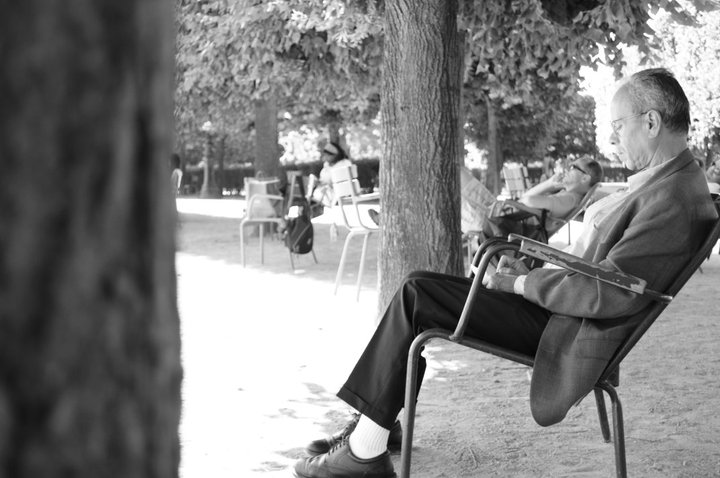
x=574, y=178
x=628, y=134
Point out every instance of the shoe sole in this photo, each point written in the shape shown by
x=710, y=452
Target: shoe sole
x=393, y=450
x=296, y=475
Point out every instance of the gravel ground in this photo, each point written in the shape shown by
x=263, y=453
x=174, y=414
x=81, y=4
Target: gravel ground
x=265, y=348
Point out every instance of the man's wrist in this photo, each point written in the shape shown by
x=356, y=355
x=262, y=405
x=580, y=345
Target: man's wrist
x=519, y=285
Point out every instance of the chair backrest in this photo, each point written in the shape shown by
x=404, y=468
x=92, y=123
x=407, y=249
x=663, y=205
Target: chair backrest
x=553, y=224
x=587, y=199
x=657, y=307
x=297, y=185
x=516, y=179
x=262, y=207
x=345, y=182
x=346, y=186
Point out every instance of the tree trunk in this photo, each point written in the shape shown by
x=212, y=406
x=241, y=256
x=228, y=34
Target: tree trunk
x=90, y=345
x=419, y=177
x=267, y=155
x=495, y=158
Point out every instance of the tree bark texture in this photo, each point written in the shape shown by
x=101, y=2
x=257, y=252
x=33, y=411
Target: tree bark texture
x=495, y=158
x=267, y=157
x=419, y=176
x=90, y=368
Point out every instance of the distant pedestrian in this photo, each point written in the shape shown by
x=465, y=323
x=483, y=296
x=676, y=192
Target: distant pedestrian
x=176, y=174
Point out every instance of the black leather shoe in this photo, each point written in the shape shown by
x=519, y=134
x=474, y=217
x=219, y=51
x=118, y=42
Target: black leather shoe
x=339, y=462
x=323, y=445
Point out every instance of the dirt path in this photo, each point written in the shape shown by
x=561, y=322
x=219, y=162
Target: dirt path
x=265, y=348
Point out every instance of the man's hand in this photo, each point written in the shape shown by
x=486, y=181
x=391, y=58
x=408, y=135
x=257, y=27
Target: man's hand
x=512, y=265
x=507, y=271
x=502, y=281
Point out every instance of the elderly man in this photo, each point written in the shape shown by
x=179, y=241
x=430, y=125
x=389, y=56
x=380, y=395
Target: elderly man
x=570, y=323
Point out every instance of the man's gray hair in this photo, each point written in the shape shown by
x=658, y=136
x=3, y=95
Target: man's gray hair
x=657, y=89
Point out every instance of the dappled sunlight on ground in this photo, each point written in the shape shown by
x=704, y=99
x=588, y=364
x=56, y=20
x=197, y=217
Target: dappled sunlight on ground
x=265, y=349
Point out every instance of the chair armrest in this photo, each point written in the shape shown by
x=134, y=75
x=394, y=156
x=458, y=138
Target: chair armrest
x=488, y=249
x=260, y=196
x=367, y=197
x=271, y=197
x=523, y=207
x=577, y=264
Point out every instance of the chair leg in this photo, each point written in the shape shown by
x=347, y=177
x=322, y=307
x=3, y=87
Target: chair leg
x=618, y=431
x=242, y=243
x=262, y=243
x=602, y=414
x=362, y=266
x=341, y=266
x=408, y=423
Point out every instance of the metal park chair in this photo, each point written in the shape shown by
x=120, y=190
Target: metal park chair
x=608, y=380
x=347, y=202
x=264, y=206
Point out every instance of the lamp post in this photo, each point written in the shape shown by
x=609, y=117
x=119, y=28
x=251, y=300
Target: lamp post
x=209, y=188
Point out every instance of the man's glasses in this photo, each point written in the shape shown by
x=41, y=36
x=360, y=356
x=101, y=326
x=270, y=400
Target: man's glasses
x=575, y=166
x=615, y=124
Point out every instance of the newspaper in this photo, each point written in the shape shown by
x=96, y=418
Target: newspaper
x=475, y=202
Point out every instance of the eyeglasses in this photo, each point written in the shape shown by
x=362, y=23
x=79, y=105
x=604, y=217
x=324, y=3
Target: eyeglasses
x=614, y=124
x=575, y=166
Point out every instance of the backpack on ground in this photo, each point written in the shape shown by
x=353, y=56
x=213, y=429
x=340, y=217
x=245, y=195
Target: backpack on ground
x=298, y=234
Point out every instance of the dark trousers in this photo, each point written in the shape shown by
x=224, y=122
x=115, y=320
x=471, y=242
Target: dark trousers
x=426, y=300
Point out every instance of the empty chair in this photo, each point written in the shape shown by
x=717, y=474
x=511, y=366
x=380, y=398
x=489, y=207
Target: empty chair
x=264, y=206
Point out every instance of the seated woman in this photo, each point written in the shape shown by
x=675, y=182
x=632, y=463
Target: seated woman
x=332, y=155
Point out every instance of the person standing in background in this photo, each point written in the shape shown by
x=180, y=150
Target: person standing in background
x=176, y=174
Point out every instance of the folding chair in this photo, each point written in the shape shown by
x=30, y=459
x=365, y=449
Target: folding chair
x=608, y=380
x=347, y=201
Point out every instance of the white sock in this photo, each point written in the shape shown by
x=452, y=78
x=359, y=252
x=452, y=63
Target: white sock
x=369, y=439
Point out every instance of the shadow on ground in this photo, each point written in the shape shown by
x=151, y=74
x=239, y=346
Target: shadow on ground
x=266, y=348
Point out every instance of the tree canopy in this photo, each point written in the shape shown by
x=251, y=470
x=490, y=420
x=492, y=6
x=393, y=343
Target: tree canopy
x=302, y=53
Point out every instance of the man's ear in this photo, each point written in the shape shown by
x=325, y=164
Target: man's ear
x=654, y=122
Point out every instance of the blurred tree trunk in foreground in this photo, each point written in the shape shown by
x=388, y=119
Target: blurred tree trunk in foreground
x=89, y=343
x=419, y=177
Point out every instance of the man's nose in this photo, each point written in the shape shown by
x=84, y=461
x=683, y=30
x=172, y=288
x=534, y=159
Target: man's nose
x=613, y=138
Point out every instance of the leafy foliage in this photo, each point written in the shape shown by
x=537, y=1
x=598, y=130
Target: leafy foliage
x=693, y=54
x=312, y=56
x=529, y=134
